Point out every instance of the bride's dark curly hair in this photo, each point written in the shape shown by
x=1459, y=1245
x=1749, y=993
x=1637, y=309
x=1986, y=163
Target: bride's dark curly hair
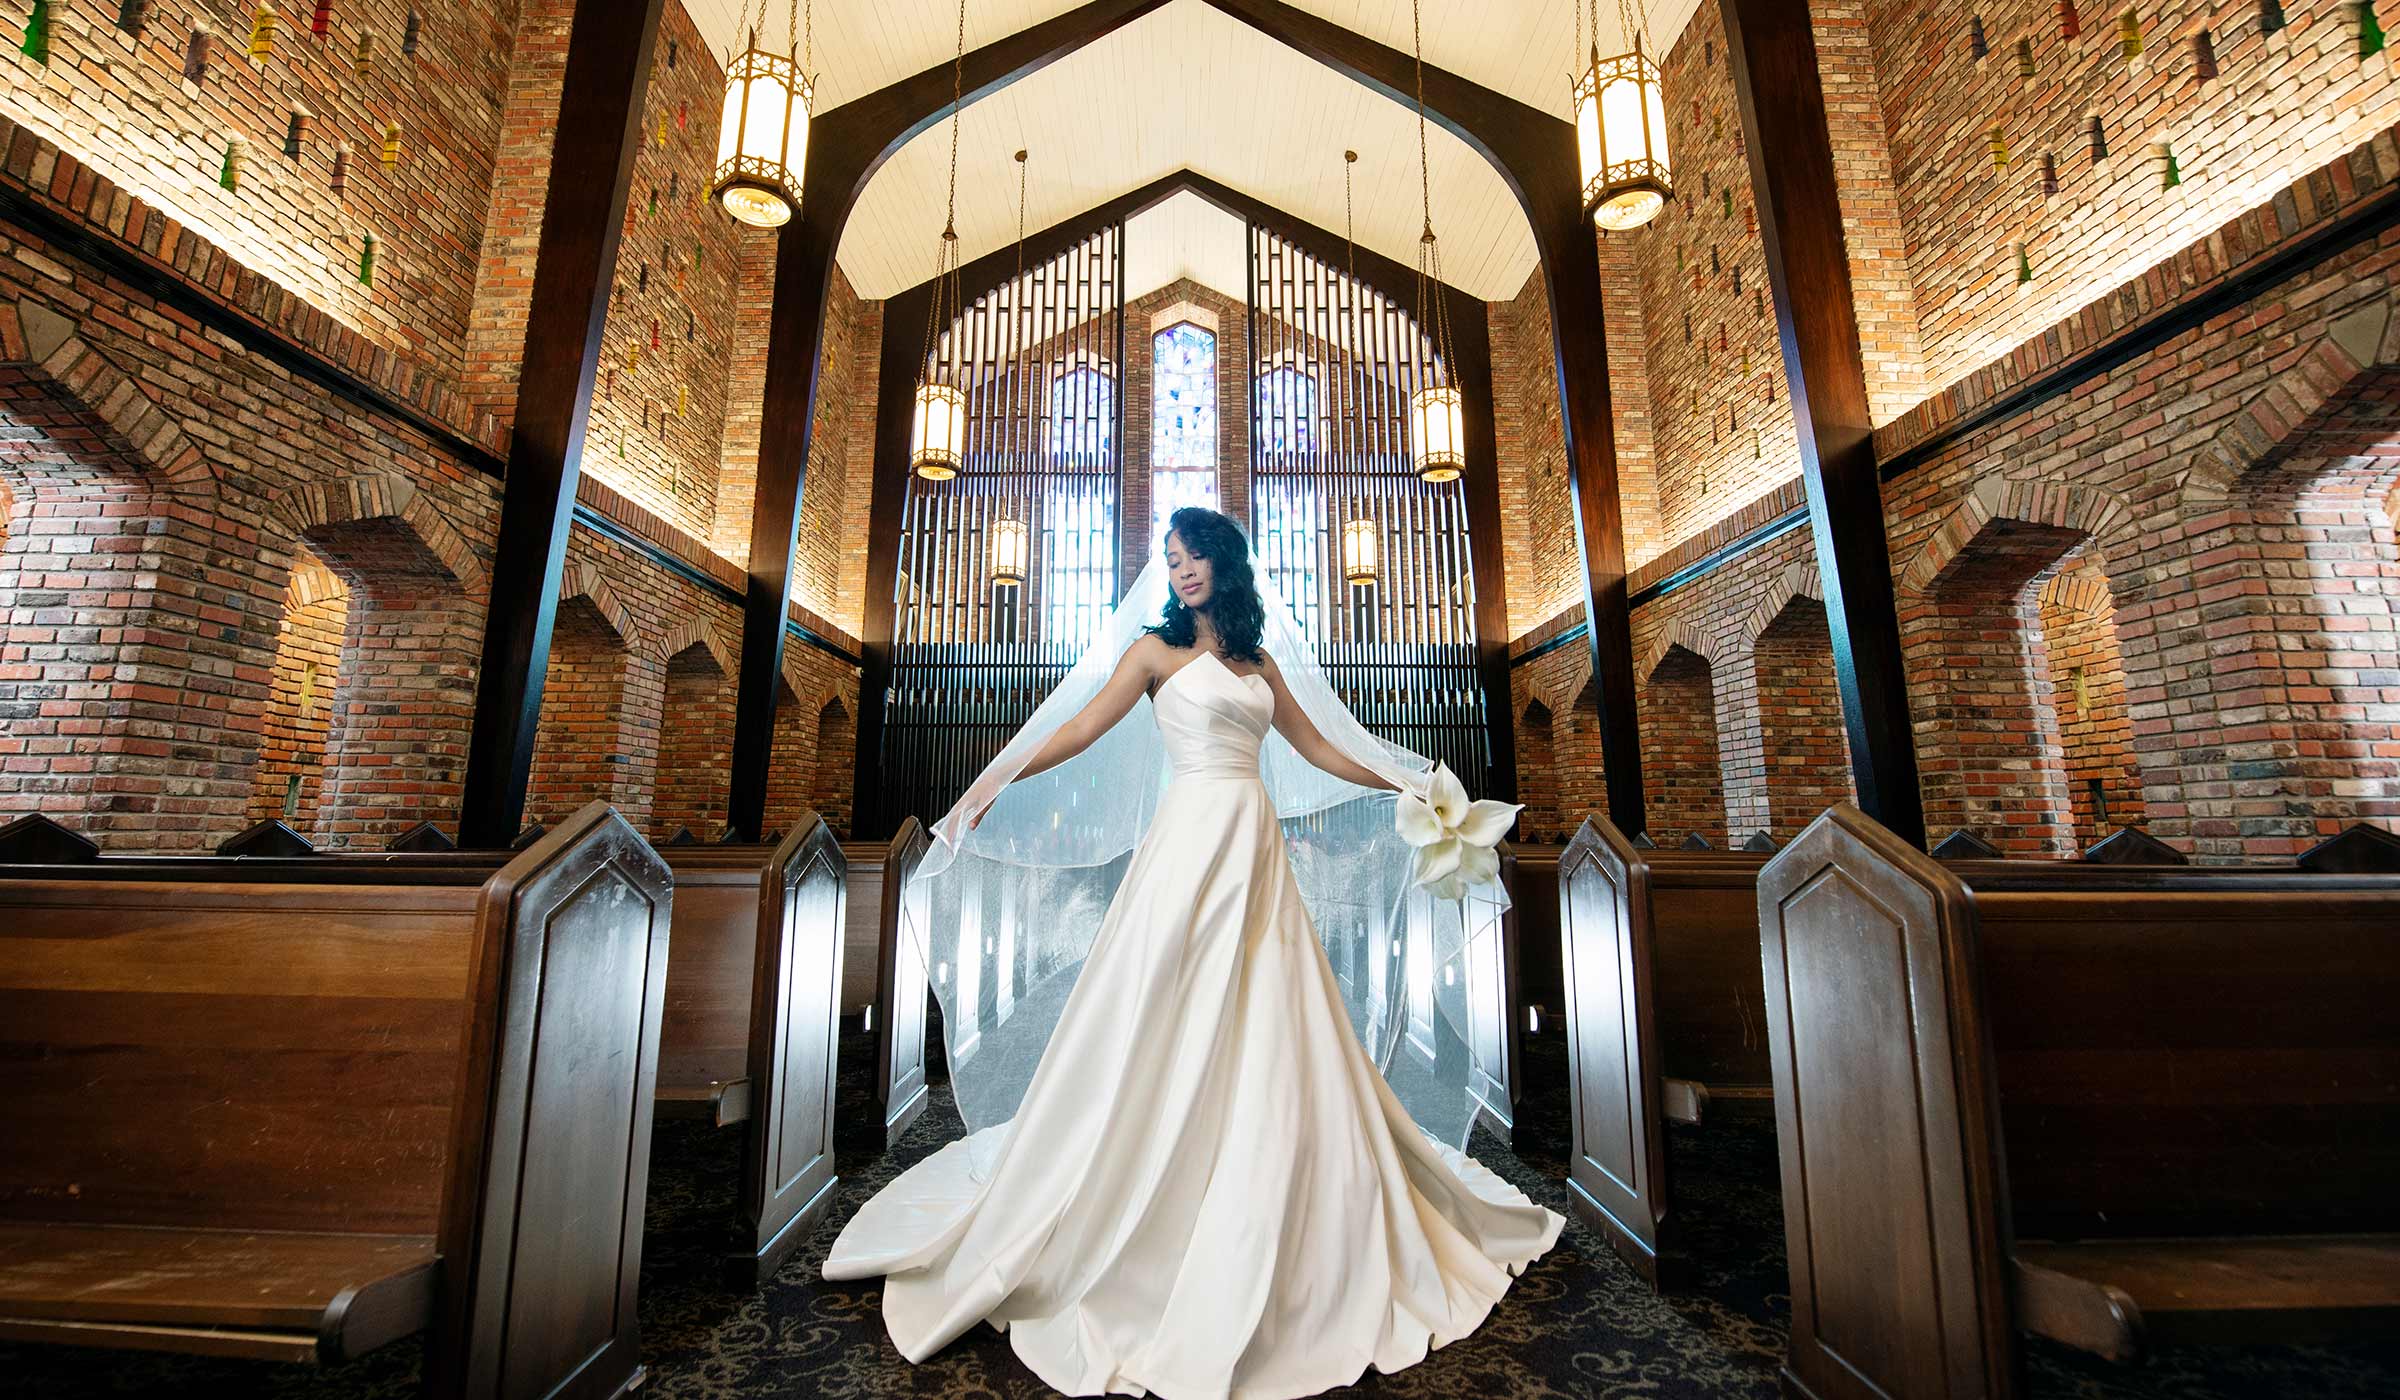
x=1233, y=602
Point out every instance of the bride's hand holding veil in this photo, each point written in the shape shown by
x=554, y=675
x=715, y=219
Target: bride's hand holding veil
x=1127, y=684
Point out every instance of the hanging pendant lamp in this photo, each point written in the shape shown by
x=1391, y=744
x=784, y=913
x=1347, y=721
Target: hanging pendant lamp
x=1437, y=415
x=1358, y=553
x=937, y=445
x=1621, y=128
x=762, y=138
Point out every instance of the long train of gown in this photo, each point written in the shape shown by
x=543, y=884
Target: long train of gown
x=1208, y=1189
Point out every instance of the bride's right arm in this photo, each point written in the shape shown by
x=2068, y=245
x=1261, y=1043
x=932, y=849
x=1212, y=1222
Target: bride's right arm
x=1126, y=684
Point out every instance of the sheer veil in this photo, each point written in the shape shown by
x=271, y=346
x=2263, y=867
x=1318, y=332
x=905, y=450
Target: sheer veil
x=1009, y=909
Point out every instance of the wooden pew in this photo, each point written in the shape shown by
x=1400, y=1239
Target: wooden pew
x=903, y=984
x=2120, y=1106
x=752, y=1029
x=293, y=1111
x=1660, y=950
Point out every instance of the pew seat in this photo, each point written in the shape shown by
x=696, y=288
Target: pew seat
x=2115, y=1297
x=283, y=1296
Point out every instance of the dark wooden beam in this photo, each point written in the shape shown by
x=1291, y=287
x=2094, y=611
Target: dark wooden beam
x=583, y=214
x=1773, y=55
x=1471, y=332
x=895, y=388
x=846, y=146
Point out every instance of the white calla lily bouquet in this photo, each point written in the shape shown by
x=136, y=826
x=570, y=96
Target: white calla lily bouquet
x=1455, y=839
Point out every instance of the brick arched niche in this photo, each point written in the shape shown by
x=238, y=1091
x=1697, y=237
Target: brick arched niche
x=695, y=744
x=390, y=743
x=1537, y=775
x=837, y=744
x=1804, y=752
x=289, y=780
x=815, y=749
x=583, y=750
x=121, y=688
x=1683, y=776
x=2263, y=698
x=1990, y=755
x=2087, y=693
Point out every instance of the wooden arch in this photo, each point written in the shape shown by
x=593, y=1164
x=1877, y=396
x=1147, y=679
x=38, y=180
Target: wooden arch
x=1534, y=153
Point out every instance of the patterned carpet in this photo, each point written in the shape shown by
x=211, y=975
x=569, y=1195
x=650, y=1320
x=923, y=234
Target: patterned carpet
x=1577, y=1324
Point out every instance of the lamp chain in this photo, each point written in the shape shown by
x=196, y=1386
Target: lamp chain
x=946, y=291
x=1432, y=303
x=1349, y=218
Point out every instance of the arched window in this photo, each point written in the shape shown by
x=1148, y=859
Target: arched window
x=1183, y=423
x=1082, y=424
x=1287, y=411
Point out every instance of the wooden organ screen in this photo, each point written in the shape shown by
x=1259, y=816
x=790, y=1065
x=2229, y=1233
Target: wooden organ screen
x=1333, y=364
x=1038, y=359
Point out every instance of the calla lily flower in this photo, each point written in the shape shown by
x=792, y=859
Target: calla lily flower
x=1454, y=838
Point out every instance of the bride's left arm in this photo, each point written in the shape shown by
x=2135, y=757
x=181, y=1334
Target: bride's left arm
x=1301, y=733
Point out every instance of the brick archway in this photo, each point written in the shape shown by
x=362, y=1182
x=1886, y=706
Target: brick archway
x=396, y=733
x=2047, y=506
x=2277, y=419
x=108, y=497
x=695, y=749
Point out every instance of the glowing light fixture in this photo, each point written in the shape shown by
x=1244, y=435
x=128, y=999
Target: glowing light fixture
x=1438, y=426
x=937, y=445
x=1358, y=552
x=762, y=140
x=1436, y=411
x=1011, y=552
x=1621, y=129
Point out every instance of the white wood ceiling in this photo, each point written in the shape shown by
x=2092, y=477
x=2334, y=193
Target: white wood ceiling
x=1189, y=87
x=1182, y=236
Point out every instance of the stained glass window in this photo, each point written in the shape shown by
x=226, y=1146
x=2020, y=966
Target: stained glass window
x=1287, y=411
x=1183, y=423
x=1083, y=417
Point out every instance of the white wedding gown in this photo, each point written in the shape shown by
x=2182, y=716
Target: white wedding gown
x=1208, y=1189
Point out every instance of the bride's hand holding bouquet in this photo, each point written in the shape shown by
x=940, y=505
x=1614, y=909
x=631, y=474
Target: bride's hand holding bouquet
x=1455, y=839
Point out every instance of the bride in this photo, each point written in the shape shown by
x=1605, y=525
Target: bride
x=1187, y=1175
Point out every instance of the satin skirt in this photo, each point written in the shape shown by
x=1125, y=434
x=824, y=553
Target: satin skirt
x=1208, y=1190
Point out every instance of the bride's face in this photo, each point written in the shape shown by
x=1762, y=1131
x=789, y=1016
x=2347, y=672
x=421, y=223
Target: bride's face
x=1188, y=574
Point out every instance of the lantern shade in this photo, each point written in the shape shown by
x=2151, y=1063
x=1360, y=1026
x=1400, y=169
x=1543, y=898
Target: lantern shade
x=1621, y=134
x=937, y=432
x=1358, y=552
x=1011, y=552
x=1437, y=421
x=762, y=140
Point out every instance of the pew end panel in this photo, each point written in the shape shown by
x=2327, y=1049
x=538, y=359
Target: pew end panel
x=903, y=987
x=1886, y=1118
x=1616, y=1175
x=542, y=1223
x=788, y=1173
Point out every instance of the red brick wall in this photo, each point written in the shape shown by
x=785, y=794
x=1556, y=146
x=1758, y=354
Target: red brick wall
x=2280, y=107
x=1537, y=520
x=158, y=508
x=675, y=321
x=123, y=103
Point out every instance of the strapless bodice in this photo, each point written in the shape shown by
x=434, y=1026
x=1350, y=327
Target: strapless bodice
x=1213, y=720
